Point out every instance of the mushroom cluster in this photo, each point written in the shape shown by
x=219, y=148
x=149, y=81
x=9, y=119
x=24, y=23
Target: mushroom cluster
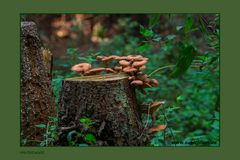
x=131, y=65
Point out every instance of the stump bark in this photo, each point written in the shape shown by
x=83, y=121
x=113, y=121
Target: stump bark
x=37, y=101
x=109, y=101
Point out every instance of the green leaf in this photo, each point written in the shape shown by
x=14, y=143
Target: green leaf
x=202, y=25
x=90, y=138
x=72, y=51
x=47, y=134
x=53, y=119
x=188, y=25
x=52, y=128
x=41, y=126
x=85, y=120
x=157, y=39
x=186, y=55
x=179, y=28
x=42, y=144
x=180, y=98
x=145, y=31
x=153, y=19
x=143, y=48
x=171, y=37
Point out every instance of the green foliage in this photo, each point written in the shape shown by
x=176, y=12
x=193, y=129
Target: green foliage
x=186, y=55
x=81, y=137
x=183, y=52
x=50, y=135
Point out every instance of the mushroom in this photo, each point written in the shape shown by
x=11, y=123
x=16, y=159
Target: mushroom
x=157, y=128
x=122, y=58
x=139, y=63
x=142, y=67
x=142, y=77
x=131, y=78
x=124, y=63
x=118, y=68
x=110, y=70
x=129, y=69
x=100, y=57
x=155, y=105
x=81, y=67
x=154, y=81
x=94, y=71
x=150, y=108
x=137, y=83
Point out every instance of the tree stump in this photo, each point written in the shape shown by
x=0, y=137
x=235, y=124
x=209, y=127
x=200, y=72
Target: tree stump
x=109, y=100
x=37, y=101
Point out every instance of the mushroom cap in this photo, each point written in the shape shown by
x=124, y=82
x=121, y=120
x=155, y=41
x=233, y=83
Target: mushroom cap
x=94, y=71
x=121, y=58
x=81, y=67
x=131, y=78
x=139, y=63
x=154, y=81
x=142, y=67
x=142, y=77
x=137, y=82
x=118, y=68
x=157, y=128
x=129, y=69
x=106, y=59
x=110, y=70
x=157, y=104
x=100, y=57
x=124, y=63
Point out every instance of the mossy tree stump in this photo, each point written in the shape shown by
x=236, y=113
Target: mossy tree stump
x=37, y=101
x=109, y=100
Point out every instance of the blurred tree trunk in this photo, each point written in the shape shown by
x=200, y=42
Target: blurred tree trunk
x=107, y=100
x=37, y=101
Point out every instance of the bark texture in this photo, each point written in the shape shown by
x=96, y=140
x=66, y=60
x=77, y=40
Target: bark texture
x=37, y=101
x=107, y=100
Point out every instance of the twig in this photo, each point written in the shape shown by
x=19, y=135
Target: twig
x=161, y=68
x=146, y=122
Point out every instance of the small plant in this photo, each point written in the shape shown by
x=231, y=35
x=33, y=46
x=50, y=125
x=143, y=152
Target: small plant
x=50, y=135
x=76, y=138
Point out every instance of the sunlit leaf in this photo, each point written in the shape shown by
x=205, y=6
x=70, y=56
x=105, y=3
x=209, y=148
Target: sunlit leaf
x=90, y=138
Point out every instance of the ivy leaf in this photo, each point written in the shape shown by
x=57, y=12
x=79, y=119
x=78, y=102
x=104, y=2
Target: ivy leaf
x=186, y=56
x=90, y=138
